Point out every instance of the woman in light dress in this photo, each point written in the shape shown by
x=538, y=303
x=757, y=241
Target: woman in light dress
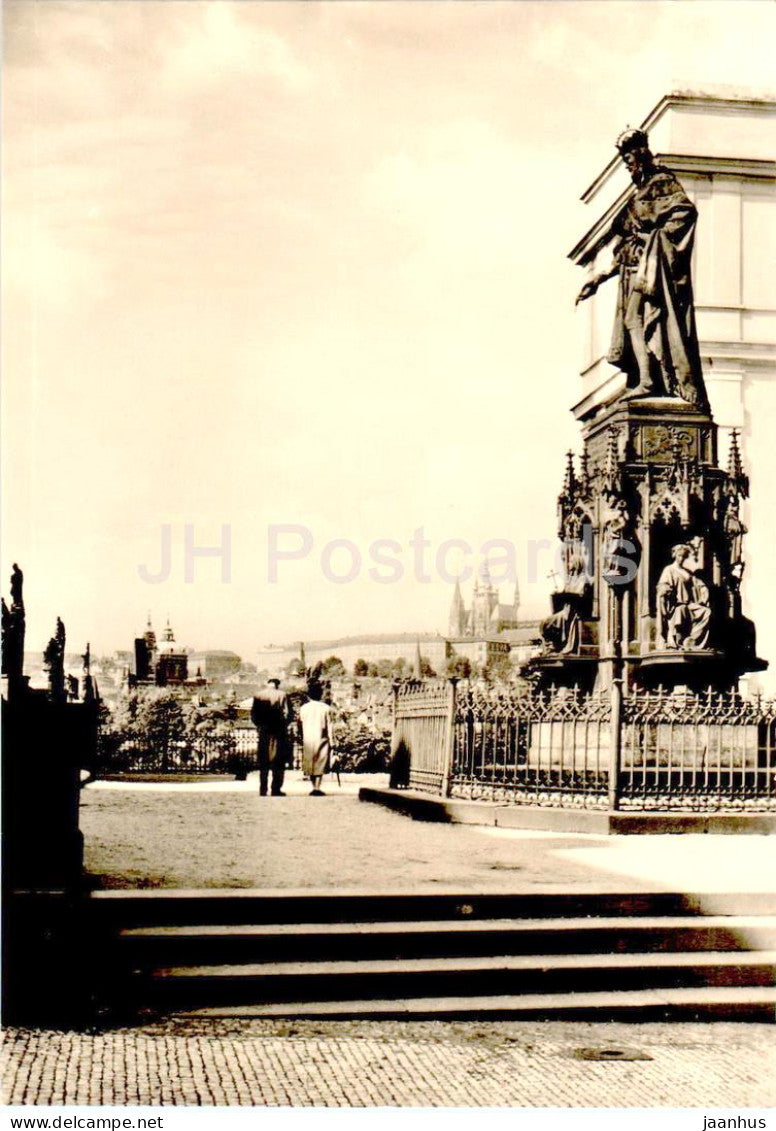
x=315, y=717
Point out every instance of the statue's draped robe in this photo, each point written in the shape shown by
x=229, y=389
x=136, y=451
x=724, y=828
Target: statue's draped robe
x=683, y=608
x=656, y=233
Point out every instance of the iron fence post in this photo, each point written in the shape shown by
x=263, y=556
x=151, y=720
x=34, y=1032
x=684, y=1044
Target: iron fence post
x=394, y=738
x=615, y=753
x=447, y=767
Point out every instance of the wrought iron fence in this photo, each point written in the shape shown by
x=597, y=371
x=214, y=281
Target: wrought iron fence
x=422, y=734
x=531, y=748
x=221, y=753
x=698, y=752
x=665, y=751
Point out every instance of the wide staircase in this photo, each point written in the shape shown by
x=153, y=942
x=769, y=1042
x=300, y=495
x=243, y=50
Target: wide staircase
x=438, y=955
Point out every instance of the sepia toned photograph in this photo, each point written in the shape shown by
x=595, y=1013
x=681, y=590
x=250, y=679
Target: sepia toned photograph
x=388, y=560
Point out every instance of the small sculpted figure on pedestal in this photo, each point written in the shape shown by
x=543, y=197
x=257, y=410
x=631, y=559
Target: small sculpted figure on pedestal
x=654, y=340
x=683, y=604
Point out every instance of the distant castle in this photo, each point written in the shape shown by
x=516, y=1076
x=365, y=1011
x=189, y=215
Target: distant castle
x=487, y=616
x=481, y=634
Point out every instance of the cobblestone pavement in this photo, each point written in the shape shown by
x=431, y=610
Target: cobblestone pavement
x=395, y=1064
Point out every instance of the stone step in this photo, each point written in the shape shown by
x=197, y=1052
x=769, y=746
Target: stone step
x=211, y=943
x=504, y=974
x=717, y=1003
x=231, y=906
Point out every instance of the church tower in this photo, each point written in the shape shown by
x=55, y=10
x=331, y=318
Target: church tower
x=484, y=601
x=173, y=663
x=150, y=641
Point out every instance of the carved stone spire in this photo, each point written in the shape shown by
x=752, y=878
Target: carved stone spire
x=612, y=474
x=584, y=471
x=735, y=470
x=569, y=479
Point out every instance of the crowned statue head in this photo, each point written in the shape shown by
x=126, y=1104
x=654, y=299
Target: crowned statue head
x=633, y=147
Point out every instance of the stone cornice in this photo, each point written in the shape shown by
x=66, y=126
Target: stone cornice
x=749, y=168
x=744, y=169
x=706, y=101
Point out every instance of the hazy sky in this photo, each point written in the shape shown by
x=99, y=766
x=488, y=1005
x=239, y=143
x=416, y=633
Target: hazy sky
x=305, y=264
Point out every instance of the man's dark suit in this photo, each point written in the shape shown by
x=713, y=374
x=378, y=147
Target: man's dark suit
x=271, y=714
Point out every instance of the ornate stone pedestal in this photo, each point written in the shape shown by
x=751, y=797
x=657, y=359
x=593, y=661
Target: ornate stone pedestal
x=652, y=541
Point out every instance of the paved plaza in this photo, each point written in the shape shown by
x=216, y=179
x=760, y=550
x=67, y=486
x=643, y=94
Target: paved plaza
x=425, y=1064
x=224, y=835
x=143, y=836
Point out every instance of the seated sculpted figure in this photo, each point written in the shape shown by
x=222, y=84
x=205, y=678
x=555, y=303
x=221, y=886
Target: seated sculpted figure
x=560, y=632
x=683, y=604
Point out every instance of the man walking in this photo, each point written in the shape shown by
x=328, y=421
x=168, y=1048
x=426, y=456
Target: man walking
x=271, y=714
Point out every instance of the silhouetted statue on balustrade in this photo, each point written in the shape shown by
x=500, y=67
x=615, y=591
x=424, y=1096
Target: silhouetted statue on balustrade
x=17, y=585
x=13, y=634
x=54, y=659
x=654, y=340
x=88, y=681
x=683, y=604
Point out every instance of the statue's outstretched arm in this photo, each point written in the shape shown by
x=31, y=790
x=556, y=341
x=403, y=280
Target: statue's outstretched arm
x=592, y=285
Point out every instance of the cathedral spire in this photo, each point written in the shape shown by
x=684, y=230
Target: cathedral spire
x=457, y=619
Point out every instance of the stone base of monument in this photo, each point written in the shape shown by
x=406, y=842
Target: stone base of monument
x=692, y=669
x=691, y=748
x=45, y=745
x=47, y=961
x=652, y=543
x=602, y=822
x=579, y=672
x=573, y=746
